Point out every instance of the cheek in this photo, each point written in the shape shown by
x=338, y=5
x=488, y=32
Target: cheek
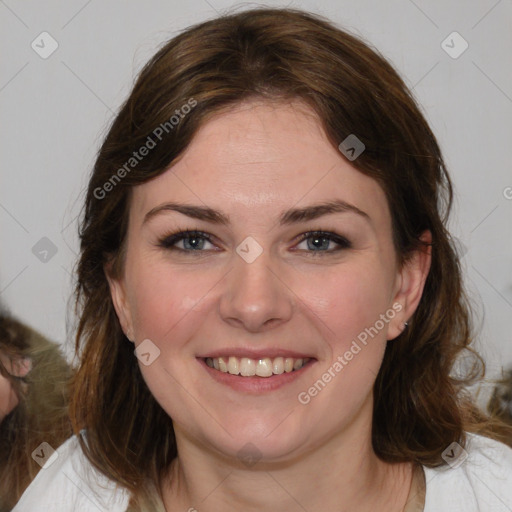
x=8, y=399
x=163, y=302
x=350, y=305
x=348, y=301
x=341, y=302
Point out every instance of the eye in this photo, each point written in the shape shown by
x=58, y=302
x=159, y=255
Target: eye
x=193, y=241
x=318, y=242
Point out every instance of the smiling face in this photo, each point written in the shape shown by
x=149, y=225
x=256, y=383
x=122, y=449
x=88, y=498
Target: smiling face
x=252, y=287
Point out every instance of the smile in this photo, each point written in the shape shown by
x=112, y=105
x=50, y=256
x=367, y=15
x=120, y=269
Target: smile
x=263, y=367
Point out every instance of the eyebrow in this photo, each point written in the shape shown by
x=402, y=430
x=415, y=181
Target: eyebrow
x=288, y=217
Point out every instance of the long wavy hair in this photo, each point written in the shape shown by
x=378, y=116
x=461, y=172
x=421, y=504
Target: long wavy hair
x=42, y=410
x=420, y=406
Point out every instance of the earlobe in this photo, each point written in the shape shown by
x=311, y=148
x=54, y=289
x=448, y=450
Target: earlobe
x=119, y=300
x=412, y=278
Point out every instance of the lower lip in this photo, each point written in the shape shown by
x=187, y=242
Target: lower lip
x=256, y=385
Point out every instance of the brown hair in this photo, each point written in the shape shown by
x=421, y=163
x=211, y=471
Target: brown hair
x=500, y=402
x=277, y=55
x=42, y=412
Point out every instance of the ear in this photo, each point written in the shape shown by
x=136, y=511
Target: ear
x=21, y=367
x=16, y=366
x=410, y=284
x=119, y=299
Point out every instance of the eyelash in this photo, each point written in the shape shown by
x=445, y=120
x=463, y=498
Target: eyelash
x=168, y=241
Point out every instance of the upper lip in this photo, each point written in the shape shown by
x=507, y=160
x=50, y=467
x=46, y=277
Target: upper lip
x=252, y=353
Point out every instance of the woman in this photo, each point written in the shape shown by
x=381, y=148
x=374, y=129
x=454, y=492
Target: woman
x=270, y=303
x=33, y=405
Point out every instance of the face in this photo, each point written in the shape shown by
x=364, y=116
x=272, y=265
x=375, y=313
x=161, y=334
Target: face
x=8, y=398
x=258, y=289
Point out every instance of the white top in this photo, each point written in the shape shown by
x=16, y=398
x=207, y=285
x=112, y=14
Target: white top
x=67, y=482
x=479, y=480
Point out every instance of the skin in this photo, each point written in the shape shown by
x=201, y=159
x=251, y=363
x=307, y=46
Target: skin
x=8, y=397
x=252, y=163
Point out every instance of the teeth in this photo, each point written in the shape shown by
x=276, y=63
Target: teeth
x=264, y=367
x=297, y=365
x=278, y=365
x=233, y=366
x=247, y=367
x=223, y=366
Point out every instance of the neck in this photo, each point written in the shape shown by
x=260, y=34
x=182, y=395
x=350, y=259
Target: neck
x=342, y=473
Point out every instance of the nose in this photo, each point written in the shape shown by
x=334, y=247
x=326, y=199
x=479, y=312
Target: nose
x=256, y=297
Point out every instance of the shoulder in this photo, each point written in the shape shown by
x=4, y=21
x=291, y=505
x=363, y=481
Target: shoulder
x=477, y=478
x=68, y=482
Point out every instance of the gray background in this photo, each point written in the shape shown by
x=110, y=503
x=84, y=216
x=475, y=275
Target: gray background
x=55, y=112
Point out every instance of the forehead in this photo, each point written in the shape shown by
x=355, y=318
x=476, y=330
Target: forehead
x=257, y=158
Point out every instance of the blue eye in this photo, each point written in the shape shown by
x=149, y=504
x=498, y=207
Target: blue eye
x=194, y=241
x=322, y=239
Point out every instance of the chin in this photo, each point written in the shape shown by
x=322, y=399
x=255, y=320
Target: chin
x=259, y=441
